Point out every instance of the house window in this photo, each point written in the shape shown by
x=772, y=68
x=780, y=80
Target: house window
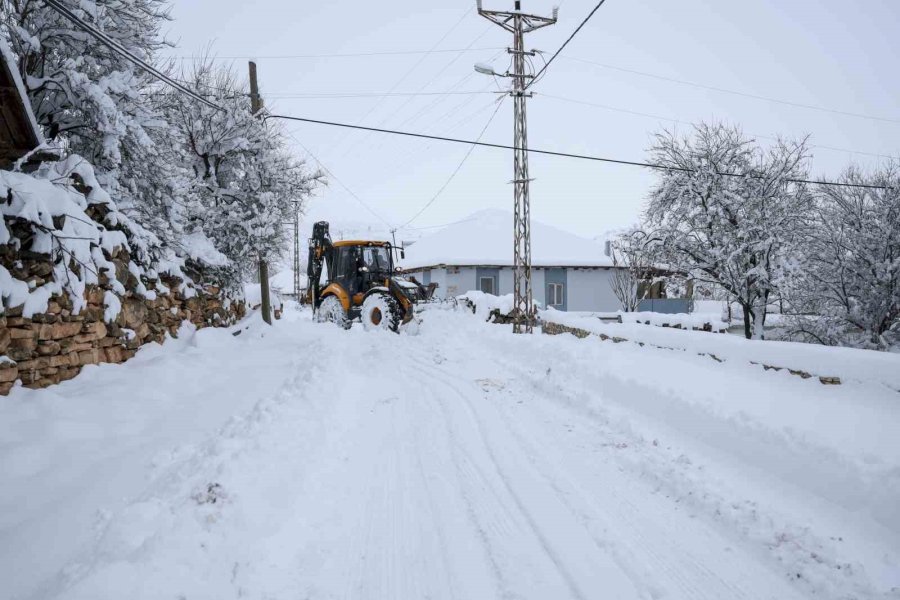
x=486, y=285
x=555, y=294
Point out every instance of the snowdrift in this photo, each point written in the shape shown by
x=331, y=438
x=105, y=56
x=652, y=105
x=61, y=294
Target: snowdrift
x=821, y=361
x=699, y=321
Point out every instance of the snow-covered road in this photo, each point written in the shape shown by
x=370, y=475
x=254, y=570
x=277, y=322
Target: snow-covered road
x=312, y=463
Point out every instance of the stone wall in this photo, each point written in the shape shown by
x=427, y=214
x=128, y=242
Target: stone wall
x=551, y=328
x=82, y=283
x=128, y=306
x=54, y=346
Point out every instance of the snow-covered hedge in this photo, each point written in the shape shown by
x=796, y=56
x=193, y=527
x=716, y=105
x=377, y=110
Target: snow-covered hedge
x=81, y=283
x=60, y=213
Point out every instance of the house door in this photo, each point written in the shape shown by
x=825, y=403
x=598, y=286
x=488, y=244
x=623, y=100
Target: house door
x=488, y=280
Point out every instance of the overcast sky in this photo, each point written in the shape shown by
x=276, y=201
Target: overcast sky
x=831, y=54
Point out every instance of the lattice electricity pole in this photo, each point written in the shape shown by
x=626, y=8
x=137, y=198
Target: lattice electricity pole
x=519, y=23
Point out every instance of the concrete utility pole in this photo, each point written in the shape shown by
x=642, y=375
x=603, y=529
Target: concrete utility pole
x=256, y=105
x=519, y=23
x=297, y=250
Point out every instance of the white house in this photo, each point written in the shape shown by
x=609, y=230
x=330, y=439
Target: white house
x=476, y=253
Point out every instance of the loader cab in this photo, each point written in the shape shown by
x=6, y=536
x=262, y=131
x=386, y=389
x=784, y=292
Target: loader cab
x=357, y=266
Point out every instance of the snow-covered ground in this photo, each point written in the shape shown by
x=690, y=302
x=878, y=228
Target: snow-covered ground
x=303, y=461
x=697, y=320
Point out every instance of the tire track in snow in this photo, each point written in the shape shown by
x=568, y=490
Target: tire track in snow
x=684, y=570
x=537, y=530
x=696, y=581
x=403, y=516
x=489, y=501
x=437, y=522
x=777, y=558
x=500, y=582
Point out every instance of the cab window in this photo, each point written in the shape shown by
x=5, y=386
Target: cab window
x=377, y=258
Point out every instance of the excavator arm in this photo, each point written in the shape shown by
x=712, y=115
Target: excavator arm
x=321, y=252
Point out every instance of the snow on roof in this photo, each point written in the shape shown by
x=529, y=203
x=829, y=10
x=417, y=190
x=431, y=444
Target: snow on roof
x=486, y=238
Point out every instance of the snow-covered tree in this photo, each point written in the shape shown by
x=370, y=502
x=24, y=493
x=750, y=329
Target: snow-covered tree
x=846, y=290
x=726, y=212
x=176, y=166
x=244, y=184
x=93, y=102
x=630, y=251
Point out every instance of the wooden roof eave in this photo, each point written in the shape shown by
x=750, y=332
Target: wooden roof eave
x=19, y=133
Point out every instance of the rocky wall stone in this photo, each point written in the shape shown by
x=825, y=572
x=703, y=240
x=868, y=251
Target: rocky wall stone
x=551, y=328
x=54, y=346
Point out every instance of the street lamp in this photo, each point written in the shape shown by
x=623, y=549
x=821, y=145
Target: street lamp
x=486, y=69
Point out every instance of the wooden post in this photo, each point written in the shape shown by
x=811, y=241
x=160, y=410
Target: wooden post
x=255, y=107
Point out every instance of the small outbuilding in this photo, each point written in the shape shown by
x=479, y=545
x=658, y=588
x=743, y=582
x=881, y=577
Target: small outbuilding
x=568, y=272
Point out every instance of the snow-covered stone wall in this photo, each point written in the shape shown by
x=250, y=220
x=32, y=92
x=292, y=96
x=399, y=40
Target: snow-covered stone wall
x=82, y=284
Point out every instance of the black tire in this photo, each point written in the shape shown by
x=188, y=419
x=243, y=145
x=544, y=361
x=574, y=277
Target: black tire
x=332, y=311
x=380, y=311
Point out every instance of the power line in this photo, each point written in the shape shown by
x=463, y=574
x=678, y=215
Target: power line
x=122, y=51
x=442, y=71
x=616, y=161
x=335, y=177
x=435, y=77
x=733, y=92
x=439, y=226
x=441, y=98
x=453, y=110
x=411, y=69
x=337, y=55
x=566, y=43
x=680, y=122
x=401, y=157
x=337, y=95
x=291, y=96
x=460, y=165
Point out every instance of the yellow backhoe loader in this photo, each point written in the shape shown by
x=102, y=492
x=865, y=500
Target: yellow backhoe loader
x=362, y=283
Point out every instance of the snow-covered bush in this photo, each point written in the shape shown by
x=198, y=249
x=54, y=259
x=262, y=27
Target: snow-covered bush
x=629, y=251
x=60, y=215
x=725, y=212
x=845, y=289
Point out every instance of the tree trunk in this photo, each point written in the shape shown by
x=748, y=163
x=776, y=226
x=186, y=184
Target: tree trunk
x=759, y=316
x=264, y=291
x=748, y=317
x=759, y=324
